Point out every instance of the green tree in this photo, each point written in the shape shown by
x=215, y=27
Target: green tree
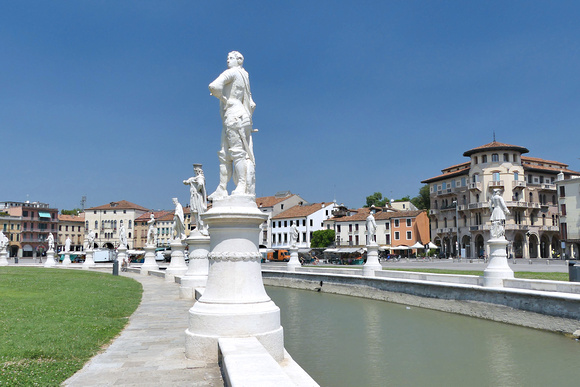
x=403, y=199
x=376, y=200
x=74, y=211
x=423, y=200
x=322, y=238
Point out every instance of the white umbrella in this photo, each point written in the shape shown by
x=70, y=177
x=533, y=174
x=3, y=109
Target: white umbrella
x=417, y=245
x=432, y=245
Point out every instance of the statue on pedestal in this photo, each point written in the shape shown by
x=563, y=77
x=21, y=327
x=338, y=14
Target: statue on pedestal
x=50, y=240
x=67, y=245
x=151, y=232
x=371, y=228
x=178, y=230
x=3, y=241
x=293, y=235
x=236, y=155
x=91, y=238
x=122, y=235
x=499, y=210
x=198, y=197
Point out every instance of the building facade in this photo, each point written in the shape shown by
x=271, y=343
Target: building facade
x=569, y=210
x=460, y=202
x=105, y=221
x=307, y=218
x=37, y=221
x=274, y=205
x=73, y=227
x=10, y=226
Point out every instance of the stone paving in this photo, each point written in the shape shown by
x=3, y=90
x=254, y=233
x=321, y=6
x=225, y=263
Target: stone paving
x=151, y=349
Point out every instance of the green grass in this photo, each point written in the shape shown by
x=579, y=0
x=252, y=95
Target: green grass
x=53, y=321
x=517, y=274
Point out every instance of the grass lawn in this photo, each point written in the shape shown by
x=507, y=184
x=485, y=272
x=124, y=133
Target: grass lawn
x=52, y=321
x=517, y=274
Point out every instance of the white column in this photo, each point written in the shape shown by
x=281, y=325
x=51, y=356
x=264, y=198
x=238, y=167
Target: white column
x=89, y=259
x=149, y=263
x=3, y=257
x=50, y=262
x=294, y=262
x=234, y=303
x=498, y=269
x=177, y=266
x=372, y=261
x=198, y=269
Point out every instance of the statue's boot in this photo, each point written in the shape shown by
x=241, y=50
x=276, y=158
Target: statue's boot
x=222, y=191
x=241, y=167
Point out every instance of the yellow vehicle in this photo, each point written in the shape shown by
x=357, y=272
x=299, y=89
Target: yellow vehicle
x=278, y=255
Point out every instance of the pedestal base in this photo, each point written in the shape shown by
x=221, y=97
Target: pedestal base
x=234, y=303
x=3, y=257
x=498, y=269
x=294, y=262
x=177, y=266
x=198, y=269
x=66, y=261
x=372, y=261
x=50, y=262
x=89, y=260
x=149, y=263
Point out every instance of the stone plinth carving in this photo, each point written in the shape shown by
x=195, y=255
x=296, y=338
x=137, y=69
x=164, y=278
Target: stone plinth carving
x=198, y=268
x=149, y=263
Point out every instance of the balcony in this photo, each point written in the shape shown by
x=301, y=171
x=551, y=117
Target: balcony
x=518, y=184
x=495, y=184
x=446, y=230
x=547, y=187
x=480, y=227
x=474, y=206
x=446, y=191
x=549, y=228
x=475, y=186
x=461, y=207
x=521, y=227
x=433, y=212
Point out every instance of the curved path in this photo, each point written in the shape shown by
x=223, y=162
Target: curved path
x=151, y=349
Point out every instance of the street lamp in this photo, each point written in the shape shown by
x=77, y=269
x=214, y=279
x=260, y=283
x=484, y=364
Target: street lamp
x=458, y=246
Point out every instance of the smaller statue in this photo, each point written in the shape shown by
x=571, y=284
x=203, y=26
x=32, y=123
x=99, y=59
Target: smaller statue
x=293, y=234
x=198, y=197
x=499, y=211
x=50, y=240
x=122, y=236
x=91, y=237
x=3, y=241
x=178, y=231
x=152, y=231
x=371, y=228
x=67, y=245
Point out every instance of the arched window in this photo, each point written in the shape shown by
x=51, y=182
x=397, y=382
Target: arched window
x=445, y=222
x=130, y=225
x=454, y=221
x=477, y=198
x=531, y=197
x=495, y=158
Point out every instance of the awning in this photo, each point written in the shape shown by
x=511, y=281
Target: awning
x=400, y=248
x=432, y=245
x=43, y=214
x=417, y=245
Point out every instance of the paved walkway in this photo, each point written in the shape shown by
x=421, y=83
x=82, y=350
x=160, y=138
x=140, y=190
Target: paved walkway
x=151, y=349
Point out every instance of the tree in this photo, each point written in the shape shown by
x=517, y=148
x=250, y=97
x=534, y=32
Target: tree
x=403, y=199
x=423, y=200
x=322, y=238
x=376, y=200
x=74, y=211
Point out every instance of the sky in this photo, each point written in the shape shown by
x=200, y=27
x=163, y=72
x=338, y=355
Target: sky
x=110, y=100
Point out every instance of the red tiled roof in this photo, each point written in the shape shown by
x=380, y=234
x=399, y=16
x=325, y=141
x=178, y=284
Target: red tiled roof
x=300, y=211
x=539, y=160
x=270, y=201
x=158, y=214
x=459, y=172
x=120, y=205
x=363, y=213
x=71, y=218
x=494, y=145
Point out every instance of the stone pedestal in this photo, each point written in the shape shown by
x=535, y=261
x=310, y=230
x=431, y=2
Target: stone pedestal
x=372, y=261
x=198, y=269
x=89, y=259
x=66, y=261
x=177, y=266
x=50, y=262
x=3, y=257
x=234, y=303
x=498, y=269
x=122, y=255
x=149, y=263
x=294, y=262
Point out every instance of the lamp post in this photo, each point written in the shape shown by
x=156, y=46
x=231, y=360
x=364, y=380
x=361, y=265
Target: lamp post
x=457, y=228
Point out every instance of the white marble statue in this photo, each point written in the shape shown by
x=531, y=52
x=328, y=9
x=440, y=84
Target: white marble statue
x=236, y=155
x=3, y=241
x=198, y=197
x=178, y=231
x=67, y=245
x=50, y=240
x=122, y=235
x=91, y=237
x=371, y=228
x=151, y=231
x=499, y=211
x=293, y=235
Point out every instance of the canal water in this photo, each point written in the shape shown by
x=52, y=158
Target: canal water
x=350, y=341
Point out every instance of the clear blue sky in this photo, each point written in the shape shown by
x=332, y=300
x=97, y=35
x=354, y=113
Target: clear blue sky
x=109, y=99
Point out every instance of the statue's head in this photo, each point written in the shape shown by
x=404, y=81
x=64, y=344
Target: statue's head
x=175, y=201
x=197, y=169
x=235, y=59
x=496, y=191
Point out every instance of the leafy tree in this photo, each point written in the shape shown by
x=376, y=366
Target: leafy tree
x=376, y=199
x=403, y=199
x=322, y=238
x=423, y=200
x=74, y=211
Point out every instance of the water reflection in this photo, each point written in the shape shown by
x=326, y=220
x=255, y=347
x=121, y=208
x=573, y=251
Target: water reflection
x=349, y=341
